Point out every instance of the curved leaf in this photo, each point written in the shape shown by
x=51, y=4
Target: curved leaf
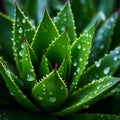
x=83, y=11
x=14, y=90
x=59, y=49
x=5, y=37
x=104, y=66
x=46, y=92
x=64, y=20
x=45, y=34
x=87, y=95
x=43, y=67
x=22, y=28
x=28, y=73
x=102, y=39
x=80, y=52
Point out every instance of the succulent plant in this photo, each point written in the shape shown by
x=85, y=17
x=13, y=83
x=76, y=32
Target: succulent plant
x=55, y=73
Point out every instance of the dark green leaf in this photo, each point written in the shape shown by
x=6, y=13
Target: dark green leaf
x=22, y=28
x=45, y=34
x=28, y=73
x=88, y=95
x=46, y=92
x=103, y=5
x=14, y=89
x=102, y=39
x=5, y=37
x=104, y=66
x=43, y=67
x=64, y=20
x=80, y=52
x=59, y=49
x=83, y=11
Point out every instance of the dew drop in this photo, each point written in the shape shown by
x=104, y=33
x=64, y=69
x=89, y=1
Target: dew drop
x=84, y=49
x=80, y=59
x=101, y=46
x=98, y=63
x=78, y=70
x=75, y=63
x=24, y=20
x=65, y=19
x=79, y=46
x=115, y=58
x=40, y=98
x=63, y=28
x=20, y=30
x=18, y=19
x=22, y=45
x=12, y=93
x=30, y=77
x=86, y=106
x=106, y=70
x=20, y=53
x=52, y=99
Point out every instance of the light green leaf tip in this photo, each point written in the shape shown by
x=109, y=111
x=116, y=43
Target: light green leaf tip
x=46, y=92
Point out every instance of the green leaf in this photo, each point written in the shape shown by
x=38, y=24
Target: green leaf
x=98, y=18
x=43, y=67
x=22, y=28
x=104, y=66
x=64, y=69
x=9, y=7
x=116, y=36
x=91, y=116
x=88, y=95
x=23, y=115
x=46, y=92
x=33, y=56
x=64, y=20
x=45, y=34
x=83, y=11
x=14, y=90
x=59, y=49
x=102, y=39
x=105, y=7
x=80, y=52
x=5, y=37
x=28, y=73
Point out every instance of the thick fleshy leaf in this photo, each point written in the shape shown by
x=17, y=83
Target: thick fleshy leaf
x=9, y=7
x=5, y=37
x=64, y=20
x=104, y=66
x=59, y=49
x=46, y=92
x=88, y=95
x=28, y=73
x=45, y=34
x=102, y=39
x=43, y=67
x=116, y=36
x=23, y=115
x=103, y=6
x=64, y=69
x=33, y=56
x=14, y=89
x=91, y=116
x=98, y=18
x=80, y=52
x=83, y=11
x=22, y=28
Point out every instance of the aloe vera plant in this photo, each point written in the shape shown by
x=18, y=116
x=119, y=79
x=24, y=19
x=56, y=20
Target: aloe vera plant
x=54, y=71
